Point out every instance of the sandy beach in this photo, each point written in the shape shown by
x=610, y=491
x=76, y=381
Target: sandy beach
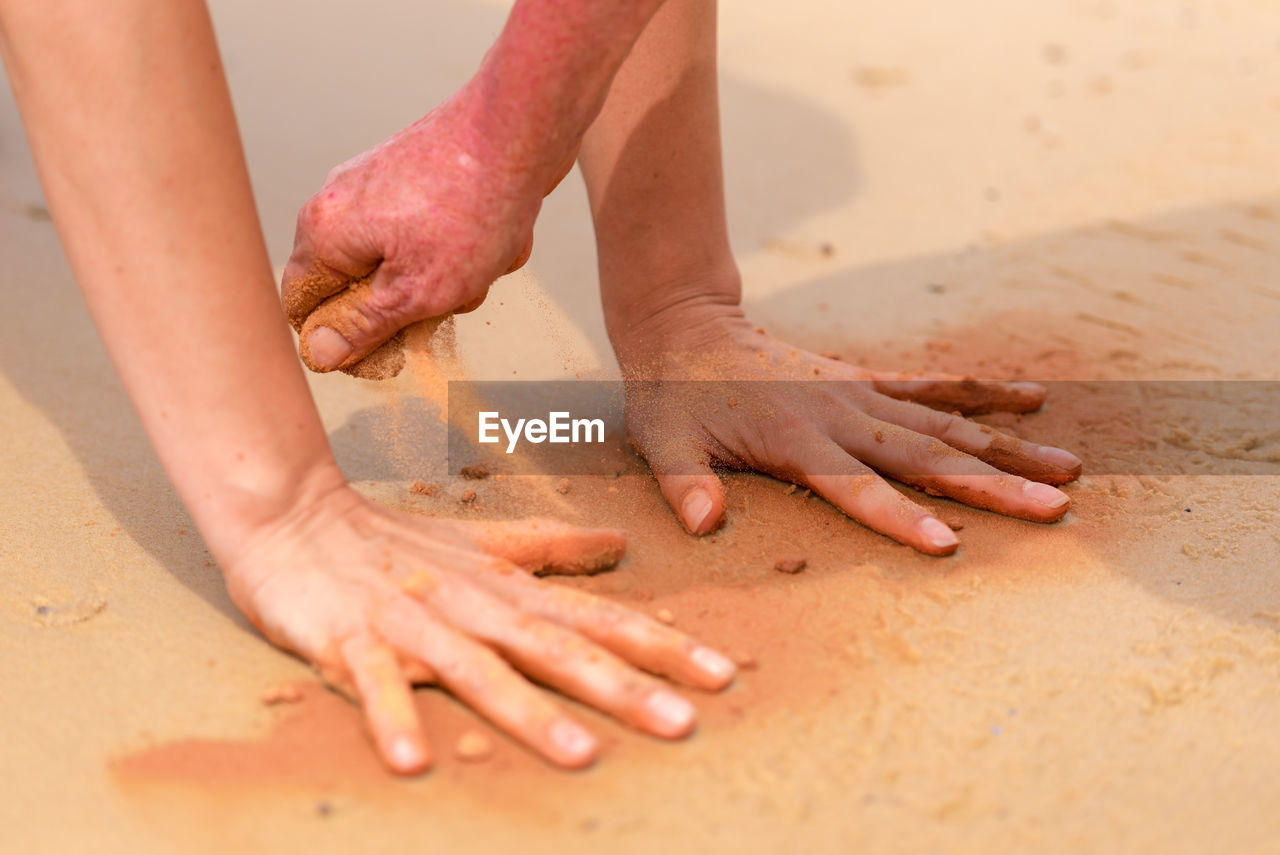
x=1079, y=190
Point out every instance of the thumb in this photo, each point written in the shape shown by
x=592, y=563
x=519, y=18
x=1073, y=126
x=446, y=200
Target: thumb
x=548, y=546
x=692, y=490
x=355, y=322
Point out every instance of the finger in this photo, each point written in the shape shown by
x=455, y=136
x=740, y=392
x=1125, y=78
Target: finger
x=482, y=680
x=320, y=346
x=549, y=546
x=635, y=637
x=566, y=661
x=302, y=288
x=967, y=395
x=851, y=486
x=472, y=305
x=388, y=705
x=938, y=469
x=355, y=322
x=526, y=252
x=328, y=254
x=1038, y=462
x=689, y=485
x=417, y=673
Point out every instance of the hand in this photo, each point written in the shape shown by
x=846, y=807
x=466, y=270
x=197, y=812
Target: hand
x=755, y=405
x=378, y=600
x=417, y=227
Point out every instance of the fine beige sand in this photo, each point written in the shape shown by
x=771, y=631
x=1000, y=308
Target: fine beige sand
x=1075, y=189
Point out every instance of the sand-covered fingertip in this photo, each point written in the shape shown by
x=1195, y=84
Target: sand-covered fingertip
x=548, y=546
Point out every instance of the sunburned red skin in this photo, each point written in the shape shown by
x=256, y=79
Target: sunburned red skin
x=423, y=223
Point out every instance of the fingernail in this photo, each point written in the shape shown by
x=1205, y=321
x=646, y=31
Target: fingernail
x=1050, y=497
x=572, y=739
x=673, y=711
x=938, y=533
x=406, y=754
x=1059, y=457
x=712, y=663
x=696, y=508
x=328, y=349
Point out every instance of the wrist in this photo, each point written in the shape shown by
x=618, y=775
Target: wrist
x=682, y=315
x=322, y=505
x=546, y=78
x=236, y=517
x=526, y=161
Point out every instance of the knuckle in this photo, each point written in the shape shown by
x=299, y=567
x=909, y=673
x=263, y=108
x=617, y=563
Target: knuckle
x=950, y=429
x=796, y=446
x=396, y=295
x=793, y=423
x=429, y=300
x=606, y=616
x=923, y=455
x=319, y=213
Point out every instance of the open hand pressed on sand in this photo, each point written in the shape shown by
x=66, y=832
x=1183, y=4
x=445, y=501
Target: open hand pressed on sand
x=706, y=389
x=380, y=600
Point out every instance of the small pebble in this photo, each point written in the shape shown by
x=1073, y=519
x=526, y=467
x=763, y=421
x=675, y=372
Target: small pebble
x=665, y=616
x=474, y=473
x=467, y=497
x=324, y=809
x=422, y=488
x=473, y=747
x=562, y=486
x=744, y=660
x=790, y=564
x=954, y=523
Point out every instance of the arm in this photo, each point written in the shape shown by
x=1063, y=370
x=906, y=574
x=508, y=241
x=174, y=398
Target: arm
x=137, y=148
x=133, y=133
x=672, y=293
x=422, y=224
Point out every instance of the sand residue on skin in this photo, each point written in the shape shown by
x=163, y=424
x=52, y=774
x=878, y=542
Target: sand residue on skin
x=869, y=655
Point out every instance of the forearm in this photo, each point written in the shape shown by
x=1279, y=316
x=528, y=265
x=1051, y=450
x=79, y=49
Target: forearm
x=135, y=141
x=547, y=76
x=653, y=170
